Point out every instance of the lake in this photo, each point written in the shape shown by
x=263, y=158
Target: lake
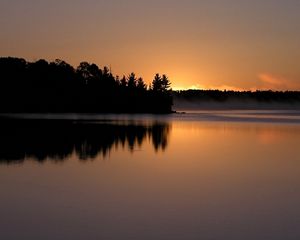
x=198, y=175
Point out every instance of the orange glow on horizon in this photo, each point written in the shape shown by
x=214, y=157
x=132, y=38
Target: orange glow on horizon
x=198, y=44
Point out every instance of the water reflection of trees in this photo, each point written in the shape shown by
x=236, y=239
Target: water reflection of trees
x=57, y=140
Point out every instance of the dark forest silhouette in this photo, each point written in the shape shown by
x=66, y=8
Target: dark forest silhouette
x=221, y=96
x=57, y=87
x=57, y=140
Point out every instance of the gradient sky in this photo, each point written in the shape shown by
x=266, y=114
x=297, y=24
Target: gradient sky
x=233, y=44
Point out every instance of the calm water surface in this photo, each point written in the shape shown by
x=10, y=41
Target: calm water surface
x=204, y=175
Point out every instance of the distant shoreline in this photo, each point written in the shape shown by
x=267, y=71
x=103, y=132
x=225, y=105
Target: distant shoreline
x=233, y=100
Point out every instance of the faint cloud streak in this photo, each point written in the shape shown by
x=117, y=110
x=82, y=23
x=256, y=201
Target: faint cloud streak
x=266, y=82
x=279, y=83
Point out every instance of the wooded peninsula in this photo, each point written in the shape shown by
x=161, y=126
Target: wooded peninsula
x=58, y=87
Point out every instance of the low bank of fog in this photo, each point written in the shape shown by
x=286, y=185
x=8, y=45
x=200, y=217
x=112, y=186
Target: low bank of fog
x=187, y=105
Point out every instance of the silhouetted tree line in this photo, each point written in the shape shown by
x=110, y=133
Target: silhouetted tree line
x=55, y=87
x=239, y=96
x=57, y=140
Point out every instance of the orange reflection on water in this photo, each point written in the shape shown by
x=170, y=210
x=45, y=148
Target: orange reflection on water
x=214, y=180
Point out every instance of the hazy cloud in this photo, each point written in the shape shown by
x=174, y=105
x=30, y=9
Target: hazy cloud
x=267, y=81
x=272, y=82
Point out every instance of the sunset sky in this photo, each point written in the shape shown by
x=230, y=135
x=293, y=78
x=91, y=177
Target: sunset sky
x=232, y=44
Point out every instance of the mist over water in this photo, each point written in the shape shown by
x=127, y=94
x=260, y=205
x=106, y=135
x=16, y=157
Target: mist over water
x=199, y=175
x=245, y=104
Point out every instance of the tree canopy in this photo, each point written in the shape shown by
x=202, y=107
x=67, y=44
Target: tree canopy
x=56, y=86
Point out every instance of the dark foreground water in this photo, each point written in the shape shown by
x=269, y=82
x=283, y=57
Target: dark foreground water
x=203, y=175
